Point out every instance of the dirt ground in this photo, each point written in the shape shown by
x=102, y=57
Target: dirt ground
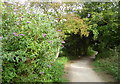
x=82, y=71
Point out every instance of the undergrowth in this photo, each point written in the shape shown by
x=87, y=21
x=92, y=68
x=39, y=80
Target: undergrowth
x=54, y=73
x=109, y=63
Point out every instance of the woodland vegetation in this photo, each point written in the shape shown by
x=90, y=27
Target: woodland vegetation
x=33, y=34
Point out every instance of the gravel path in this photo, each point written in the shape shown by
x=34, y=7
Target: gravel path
x=82, y=71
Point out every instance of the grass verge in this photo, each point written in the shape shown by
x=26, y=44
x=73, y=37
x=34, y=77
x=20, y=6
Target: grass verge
x=109, y=64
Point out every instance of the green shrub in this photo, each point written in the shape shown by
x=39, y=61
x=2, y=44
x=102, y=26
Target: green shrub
x=110, y=64
x=90, y=51
x=29, y=46
x=54, y=73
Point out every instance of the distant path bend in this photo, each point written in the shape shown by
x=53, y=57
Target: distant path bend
x=82, y=71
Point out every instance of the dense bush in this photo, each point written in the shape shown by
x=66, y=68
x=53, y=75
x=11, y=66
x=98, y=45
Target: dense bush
x=110, y=63
x=102, y=19
x=29, y=46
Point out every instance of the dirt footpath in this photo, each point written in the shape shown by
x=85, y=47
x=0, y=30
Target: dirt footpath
x=82, y=71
